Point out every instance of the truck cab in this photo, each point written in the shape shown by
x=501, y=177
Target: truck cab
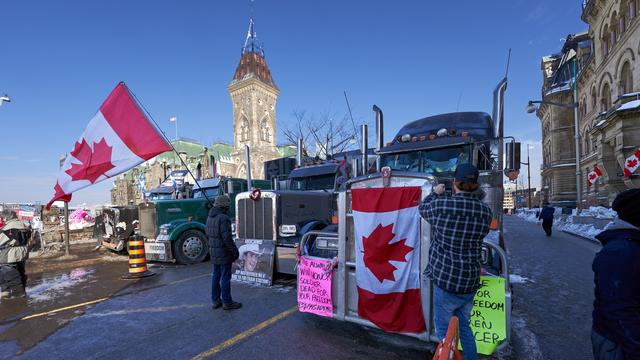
x=284, y=216
x=174, y=229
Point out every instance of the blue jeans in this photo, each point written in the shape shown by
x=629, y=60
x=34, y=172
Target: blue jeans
x=221, y=283
x=447, y=304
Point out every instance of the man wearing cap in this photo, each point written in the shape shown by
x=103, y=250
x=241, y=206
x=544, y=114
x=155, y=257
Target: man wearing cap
x=223, y=253
x=459, y=223
x=615, y=333
x=249, y=255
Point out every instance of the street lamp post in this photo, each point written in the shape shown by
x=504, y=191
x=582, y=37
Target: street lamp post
x=531, y=108
x=528, y=163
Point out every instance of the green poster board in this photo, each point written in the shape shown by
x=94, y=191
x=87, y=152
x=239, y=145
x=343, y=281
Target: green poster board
x=489, y=315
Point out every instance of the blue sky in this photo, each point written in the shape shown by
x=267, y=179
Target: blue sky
x=59, y=60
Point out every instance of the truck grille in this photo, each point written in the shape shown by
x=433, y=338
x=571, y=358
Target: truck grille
x=255, y=219
x=148, y=221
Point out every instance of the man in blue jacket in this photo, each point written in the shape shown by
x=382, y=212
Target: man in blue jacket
x=546, y=215
x=616, y=310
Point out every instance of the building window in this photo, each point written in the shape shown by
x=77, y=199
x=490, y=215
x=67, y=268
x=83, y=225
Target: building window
x=606, y=38
x=632, y=9
x=265, y=132
x=614, y=29
x=606, y=98
x=626, y=79
x=244, y=130
x=594, y=99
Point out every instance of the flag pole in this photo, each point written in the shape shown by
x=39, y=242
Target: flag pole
x=141, y=105
x=66, y=228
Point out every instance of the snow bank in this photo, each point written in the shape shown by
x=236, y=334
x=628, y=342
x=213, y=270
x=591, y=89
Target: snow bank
x=598, y=212
x=528, y=214
x=567, y=223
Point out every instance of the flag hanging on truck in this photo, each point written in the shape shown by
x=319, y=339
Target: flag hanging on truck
x=387, y=235
x=118, y=138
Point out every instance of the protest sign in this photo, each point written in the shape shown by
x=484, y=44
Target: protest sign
x=255, y=264
x=314, y=287
x=489, y=315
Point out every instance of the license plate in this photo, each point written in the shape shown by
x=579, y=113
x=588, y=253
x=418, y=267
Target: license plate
x=150, y=248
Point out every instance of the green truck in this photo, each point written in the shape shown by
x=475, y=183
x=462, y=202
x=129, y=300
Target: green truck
x=174, y=229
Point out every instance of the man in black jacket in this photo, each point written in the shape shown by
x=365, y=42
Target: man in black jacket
x=616, y=310
x=546, y=215
x=223, y=253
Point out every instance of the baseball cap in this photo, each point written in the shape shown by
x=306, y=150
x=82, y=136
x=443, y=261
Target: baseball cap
x=466, y=173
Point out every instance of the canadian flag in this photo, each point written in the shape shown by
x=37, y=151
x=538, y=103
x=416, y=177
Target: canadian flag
x=387, y=235
x=594, y=175
x=118, y=138
x=632, y=163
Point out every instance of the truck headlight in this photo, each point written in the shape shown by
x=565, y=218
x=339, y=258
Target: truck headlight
x=165, y=229
x=287, y=230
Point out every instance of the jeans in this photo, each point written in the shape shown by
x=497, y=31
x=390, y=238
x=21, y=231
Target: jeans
x=221, y=283
x=604, y=349
x=447, y=304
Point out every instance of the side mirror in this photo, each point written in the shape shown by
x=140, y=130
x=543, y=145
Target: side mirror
x=513, y=155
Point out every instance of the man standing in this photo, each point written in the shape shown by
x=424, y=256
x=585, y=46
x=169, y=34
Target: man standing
x=616, y=310
x=546, y=215
x=223, y=253
x=459, y=223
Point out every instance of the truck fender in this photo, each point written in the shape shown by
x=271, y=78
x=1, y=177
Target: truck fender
x=189, y=225
x=311, y=225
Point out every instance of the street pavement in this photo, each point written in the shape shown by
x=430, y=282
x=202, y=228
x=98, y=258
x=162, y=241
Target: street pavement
x=552, y=310
x=169, y=315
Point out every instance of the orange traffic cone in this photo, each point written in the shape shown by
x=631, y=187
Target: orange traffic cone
x=137, y=260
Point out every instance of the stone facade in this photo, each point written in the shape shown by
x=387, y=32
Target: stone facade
x=605, y=62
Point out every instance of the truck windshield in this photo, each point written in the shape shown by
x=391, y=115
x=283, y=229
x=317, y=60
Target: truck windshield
x=160, y=196
x=319, y=182
x=433, y=162
x=210, y=192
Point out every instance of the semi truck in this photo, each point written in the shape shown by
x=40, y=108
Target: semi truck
x=308, y=202
x=174, y=229
x=423, y=153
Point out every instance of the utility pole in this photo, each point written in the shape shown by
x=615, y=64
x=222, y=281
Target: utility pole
x=528, y=163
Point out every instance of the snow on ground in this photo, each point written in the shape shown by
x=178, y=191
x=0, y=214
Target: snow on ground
x=567, y=224
x=517, y=279
x=49, y=288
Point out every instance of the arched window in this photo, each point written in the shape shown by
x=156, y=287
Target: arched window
x=605, y=98
x=265, y=132
x=605, y=38
x=632, y=9
x=244, y=130
x=626, y=79
x=594, y=99
x=624, y=14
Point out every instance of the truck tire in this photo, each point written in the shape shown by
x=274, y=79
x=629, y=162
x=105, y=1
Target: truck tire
x=191, y=247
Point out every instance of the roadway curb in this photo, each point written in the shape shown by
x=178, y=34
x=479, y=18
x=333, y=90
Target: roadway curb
x=588, y=238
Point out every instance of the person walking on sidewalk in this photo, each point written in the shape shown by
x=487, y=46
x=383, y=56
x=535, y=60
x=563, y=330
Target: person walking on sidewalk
x=459, y=223
x=223, y=253
x=616, y=310
x=546, y=215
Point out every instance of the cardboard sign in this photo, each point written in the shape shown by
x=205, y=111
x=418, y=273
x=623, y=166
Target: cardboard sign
x=255, y=264
x=489, y=315
x=314, y=287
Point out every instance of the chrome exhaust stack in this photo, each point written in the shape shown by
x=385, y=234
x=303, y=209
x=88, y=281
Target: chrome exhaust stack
x=379, y=135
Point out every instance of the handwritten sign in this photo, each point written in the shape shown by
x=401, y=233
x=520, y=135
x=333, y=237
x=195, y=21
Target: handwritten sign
x=314, y=287
x=489, y=315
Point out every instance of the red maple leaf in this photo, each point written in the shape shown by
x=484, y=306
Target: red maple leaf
x=93, y=162
x=378, y=252
x=592, y=176
x=632, y=163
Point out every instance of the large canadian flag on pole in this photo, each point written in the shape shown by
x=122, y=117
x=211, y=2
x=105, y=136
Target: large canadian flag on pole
x=387, y=236
x=118, y=138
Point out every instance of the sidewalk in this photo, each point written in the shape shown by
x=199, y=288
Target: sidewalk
x=587, y=225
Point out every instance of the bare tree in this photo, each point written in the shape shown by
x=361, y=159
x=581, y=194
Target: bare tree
x=321, y=135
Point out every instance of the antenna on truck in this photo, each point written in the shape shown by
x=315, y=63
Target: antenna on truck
x=355, y=129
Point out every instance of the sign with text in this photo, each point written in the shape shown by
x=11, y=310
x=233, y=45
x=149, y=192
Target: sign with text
x=489, y=315
x=314, y=287
x=255, y=264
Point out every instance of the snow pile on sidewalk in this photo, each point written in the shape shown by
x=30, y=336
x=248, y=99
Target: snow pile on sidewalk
x=598, y=212
x=528, y=214
x=585, y=230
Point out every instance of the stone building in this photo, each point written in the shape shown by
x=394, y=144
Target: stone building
x=603, y=60
x=253, y=95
